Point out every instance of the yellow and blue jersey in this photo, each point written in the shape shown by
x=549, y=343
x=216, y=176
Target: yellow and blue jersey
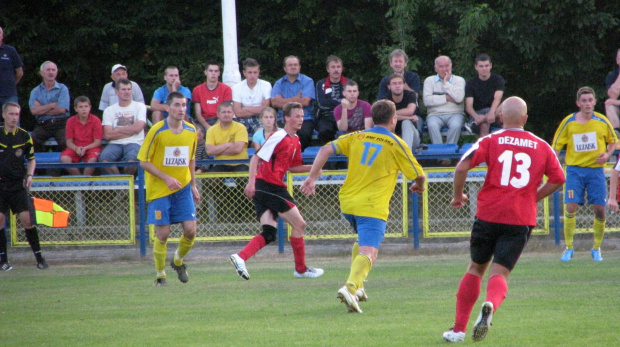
x=376, y=156
x=170, y=153
x=584, y=141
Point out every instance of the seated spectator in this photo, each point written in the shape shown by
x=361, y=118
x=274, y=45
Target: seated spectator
x=444, y=94
x=208, y=96
x=123, y=126
x=49, y=103
x=352, y=114
x=483, y=95
x=227, y=139
x=398, y=63
x=173, y=84
x=612, y=104
x=329, y=94
x=406, y=105
x=250, y=96
x=201, y=151
x=268, y=118
x=108, y=95
x=84, y=134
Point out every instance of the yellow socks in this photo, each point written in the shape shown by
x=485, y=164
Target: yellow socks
x=599, y=230
x=355, y=251
x=184, y=246
x=569, y=228
x=159, y=257
x=359, y=271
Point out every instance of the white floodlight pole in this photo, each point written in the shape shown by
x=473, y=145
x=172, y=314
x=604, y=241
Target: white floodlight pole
x=231, y=75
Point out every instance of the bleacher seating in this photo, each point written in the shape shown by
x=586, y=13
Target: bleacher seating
x=440, y=149
x=47, y=157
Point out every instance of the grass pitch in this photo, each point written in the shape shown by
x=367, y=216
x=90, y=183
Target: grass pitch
x=411, y=302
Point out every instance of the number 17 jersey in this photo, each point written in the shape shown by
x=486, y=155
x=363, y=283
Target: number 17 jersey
x=517, y=160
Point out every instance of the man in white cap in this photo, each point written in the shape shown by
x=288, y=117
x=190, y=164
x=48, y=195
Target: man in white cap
x=109, y=97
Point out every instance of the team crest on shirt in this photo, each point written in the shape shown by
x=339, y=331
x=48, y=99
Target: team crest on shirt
x=585, y=142
x=176, y=156
x=361, y=136
x=19, y=152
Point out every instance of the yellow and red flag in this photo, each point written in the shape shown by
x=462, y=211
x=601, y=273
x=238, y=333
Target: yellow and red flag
x=50, y=214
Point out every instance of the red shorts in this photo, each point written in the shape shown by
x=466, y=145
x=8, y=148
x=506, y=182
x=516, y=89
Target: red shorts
x=90, y=154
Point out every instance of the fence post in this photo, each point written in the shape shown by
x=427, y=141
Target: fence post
x=141, y=209
x=281, y=235
x=415, y=217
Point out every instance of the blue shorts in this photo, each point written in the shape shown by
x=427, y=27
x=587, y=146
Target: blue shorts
x=588, y=180
x=175, y=208
x=370, y=231
x=116, y=152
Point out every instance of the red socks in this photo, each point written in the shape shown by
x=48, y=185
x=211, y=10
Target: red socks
x=255, y=245
x=466, y=297
x=299, y=252
x=496, y=291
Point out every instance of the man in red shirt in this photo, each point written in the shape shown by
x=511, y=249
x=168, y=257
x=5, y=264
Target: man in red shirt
x=209, y=95
x=517, y=160
x=280, y=153
x=83, y=133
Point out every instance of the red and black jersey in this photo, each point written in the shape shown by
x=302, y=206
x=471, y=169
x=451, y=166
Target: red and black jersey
x=280, y=152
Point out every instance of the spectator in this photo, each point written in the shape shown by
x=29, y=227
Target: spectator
x=268, y=118
x=201, y=151
x=208, y=96
x=295, y=87
x=83, y=134
x=49, y=103
x=443, y=97
x=173, y=84
x=406, y=104
x=398, y=63
x=227, y=140
x=123, y=126
x=483, y=95
x=250, y=96
x=352, y=114
x=11, y=72
x=329, y=94
x=109, y=96
x=612, y=83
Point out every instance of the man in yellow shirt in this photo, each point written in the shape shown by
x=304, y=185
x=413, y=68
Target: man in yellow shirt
x=376, y=156
x=168, y=156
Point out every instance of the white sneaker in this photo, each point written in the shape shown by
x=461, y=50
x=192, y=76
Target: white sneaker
x=451, y=336
x=481, y=327
x=361, y=295
x=240, y=266
x=310, y=273
x=349, y=299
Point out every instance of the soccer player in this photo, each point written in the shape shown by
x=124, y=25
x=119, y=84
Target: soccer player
x=375, y=157
x=517, y=161
x=168, y=155
x=280, y=153
x=590, y=140
x=16, y=147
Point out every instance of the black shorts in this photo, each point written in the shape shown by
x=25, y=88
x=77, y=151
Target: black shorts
x=502, y=242
x=15, y=197
x=273, y=198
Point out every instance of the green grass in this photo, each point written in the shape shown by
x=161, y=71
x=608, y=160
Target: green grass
x=411, y=302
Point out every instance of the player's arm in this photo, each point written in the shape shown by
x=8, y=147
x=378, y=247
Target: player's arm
x=612, y=202
x=192, y=172
x=460, y=174
x=547, y=189
x=603, y=157
x=171, y=182
x=418, y=184
x=315, y=171
x=250, y=188
x=30, y=172
x=300, y=168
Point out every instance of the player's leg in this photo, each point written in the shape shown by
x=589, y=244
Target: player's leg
x=158, y=214
x=21, y=204
x=298, y=224
x=573, y=197
x=597, y=194
x=184, y=211
x=4, y=260
x=269, y=226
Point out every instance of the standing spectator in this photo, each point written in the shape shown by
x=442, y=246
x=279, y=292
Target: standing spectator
x=329, y=94
x=109, y=96
x=168, y=155
x=295, y=87
x=281, y=153
x=173, y=84
x=398, y=63
x=376, y=157
x=443, y=97
x=11, y=72
x=250, y=96
x=15, y=179
x=406, y=104
x=482, y=96
x=227, y=140
x=49, y=103
x=123, y=127
x=590, y=140
x=517, y=161
x=83, y=133
x=208, y=96
x=268, y=118
x=352, y=114
x=612, y=83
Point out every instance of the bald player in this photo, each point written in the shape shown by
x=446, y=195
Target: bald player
x=517, y=160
